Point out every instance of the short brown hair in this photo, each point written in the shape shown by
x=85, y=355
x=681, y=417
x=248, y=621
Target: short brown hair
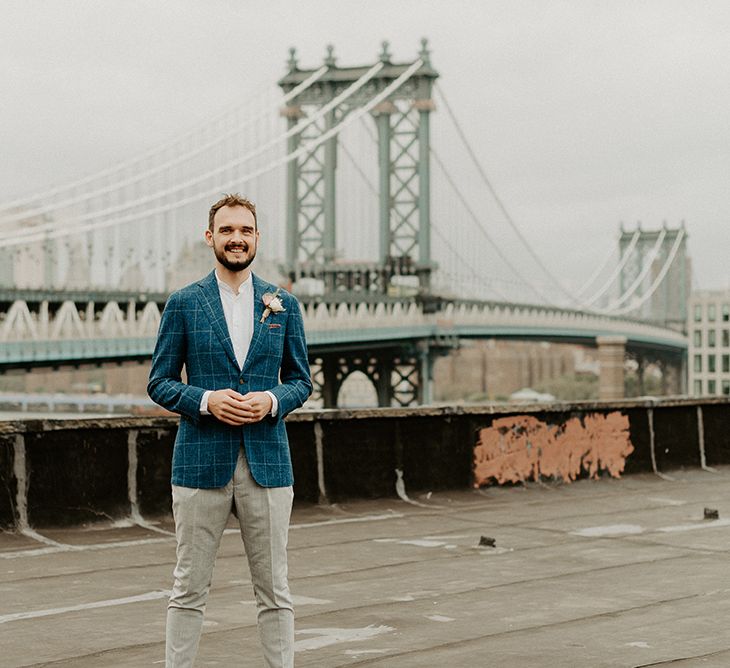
x=231, y=200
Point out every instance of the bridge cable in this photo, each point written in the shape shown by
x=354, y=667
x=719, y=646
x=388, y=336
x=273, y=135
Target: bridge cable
x=598, y=271
x=157, y=150
x=657, y=281
x=447, y=242
x=484, y=277
x=147, y=154
x=32, y=235
x=481, y=227
x=617, y=270
x=300, y=126
x=496, y=197
x=648, y=262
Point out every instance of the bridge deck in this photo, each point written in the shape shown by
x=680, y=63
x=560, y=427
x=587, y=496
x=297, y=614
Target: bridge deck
x=386, y=583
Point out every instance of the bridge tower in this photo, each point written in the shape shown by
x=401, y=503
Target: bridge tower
x=403, y=130
x=400, y=373
x=667, y=306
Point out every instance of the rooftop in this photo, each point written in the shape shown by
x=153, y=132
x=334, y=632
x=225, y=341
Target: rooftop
x=597, y=573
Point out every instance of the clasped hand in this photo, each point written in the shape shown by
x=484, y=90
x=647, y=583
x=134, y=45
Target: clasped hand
x=236, y=409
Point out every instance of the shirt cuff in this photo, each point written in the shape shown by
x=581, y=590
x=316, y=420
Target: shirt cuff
x=274, y=404
x=204, y=402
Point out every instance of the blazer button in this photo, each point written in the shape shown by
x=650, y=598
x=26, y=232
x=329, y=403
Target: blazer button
x=241, y=380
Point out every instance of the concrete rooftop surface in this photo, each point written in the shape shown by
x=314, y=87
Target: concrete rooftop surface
x=597, y=573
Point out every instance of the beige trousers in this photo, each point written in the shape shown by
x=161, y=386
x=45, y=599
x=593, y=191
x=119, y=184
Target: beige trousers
x=200, y=518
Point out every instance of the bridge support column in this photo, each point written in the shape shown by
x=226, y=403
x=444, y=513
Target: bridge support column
x=611, y=352
x=382, y=118
x=425, y=385
x=292, y=114
x=673, y=374
x=383, y=385
x=641, y=364
x=329, y=246
x=331, y=385
x=424, y=192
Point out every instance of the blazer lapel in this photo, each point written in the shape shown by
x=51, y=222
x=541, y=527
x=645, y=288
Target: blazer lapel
x=210, y=299
x=259, y=288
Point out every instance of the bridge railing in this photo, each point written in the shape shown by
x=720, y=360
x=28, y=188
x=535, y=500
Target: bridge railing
x=23, y=322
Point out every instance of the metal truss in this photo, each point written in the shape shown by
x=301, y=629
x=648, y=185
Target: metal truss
x=311, y=197
x=404, y=186
x=395, y=375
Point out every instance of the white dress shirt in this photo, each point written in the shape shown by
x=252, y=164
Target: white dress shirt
x=238, y=310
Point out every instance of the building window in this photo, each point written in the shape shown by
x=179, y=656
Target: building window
x=711, y=387
x=726, y=338
x=698, y=388
x=726, y=312
x=726, y=363
x=698, y=312
x=726, y=387
x=711, y=338
x=711, y=313
x=698, y=338
x=698, y=363
x=711, y=363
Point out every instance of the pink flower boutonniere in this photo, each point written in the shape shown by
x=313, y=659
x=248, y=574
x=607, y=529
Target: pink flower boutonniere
x=272, y=304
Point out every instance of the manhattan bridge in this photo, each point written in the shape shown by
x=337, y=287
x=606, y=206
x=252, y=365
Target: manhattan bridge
x=394, y=257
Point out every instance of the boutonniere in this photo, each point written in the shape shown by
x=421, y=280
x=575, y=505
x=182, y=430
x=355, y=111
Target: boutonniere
x=272, y=304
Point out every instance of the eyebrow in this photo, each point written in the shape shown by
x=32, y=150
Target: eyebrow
x=245, y=228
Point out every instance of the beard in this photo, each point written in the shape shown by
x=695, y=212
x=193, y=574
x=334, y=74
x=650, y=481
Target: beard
x=238, y=264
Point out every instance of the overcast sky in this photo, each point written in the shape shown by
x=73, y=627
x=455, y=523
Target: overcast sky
x=584, y=114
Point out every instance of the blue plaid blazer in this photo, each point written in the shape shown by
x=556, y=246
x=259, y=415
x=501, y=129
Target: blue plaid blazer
x=193, y=333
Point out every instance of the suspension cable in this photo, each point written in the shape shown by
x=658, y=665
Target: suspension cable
x=304, y=123
x=641, y=276
x=461, y=197
x=496, y=197
x=374, y=191
x=598, y=271
x=156, y=169
x=32, y=235
x=481, y=227
x=615, y=273
x=657, y=281
x=472, y=271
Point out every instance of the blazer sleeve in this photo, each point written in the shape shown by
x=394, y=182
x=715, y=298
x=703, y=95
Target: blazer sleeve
x=165, y=386
x=296, y=382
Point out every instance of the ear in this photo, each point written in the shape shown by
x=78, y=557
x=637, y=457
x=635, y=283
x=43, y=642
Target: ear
x=209, y=238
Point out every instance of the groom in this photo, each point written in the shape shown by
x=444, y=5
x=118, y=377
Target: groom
x=241, y=341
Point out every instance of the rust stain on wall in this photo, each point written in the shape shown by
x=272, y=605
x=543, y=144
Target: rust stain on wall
x=521, y=447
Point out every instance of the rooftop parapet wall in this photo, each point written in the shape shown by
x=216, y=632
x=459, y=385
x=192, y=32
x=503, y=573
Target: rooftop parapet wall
x=56, y=472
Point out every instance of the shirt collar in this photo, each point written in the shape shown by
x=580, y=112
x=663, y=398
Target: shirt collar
x=245, y=286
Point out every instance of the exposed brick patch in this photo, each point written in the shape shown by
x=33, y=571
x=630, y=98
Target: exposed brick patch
x=521, y=447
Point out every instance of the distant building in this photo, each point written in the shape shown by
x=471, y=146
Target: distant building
x=492, y=370
x=708, y=327
x=42, y=264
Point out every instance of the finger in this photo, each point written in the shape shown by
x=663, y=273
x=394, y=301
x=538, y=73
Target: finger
x=234, y=421
x=233, y=394
x=238, y=416
x=236, y=406
x=230, y=421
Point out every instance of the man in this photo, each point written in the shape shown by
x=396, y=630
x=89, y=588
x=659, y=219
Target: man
x=241, y=341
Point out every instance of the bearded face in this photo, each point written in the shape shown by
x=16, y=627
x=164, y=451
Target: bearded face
x=235, y=255
x=234, y=238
